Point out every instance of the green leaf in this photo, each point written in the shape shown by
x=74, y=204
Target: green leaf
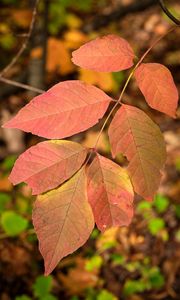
x=48, y=297
x=105, y=295
x=155, y=225
x=12, y=223
x=177, y=164
x=94, y=263
x=177, y=211
x=94, y=234
x=4, y=199
x=118, y=259
x=144, y=206
x=74, y=298
x=42, y=286
x=161, y=203
x=133, y=286
x=9, y=162
x=23, y=297
x=156, y=278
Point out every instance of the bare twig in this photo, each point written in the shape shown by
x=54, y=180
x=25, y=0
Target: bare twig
x=21, y=85
x=24, y=45
x=168, y=13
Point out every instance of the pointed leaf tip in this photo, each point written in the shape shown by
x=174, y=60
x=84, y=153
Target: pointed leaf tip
x=105, y=54
x=63, y=220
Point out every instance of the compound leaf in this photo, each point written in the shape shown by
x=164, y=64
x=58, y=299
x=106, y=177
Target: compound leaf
x=157, y=85
x=105, y=54
x=134, y=134
x=63, y=220
x=48, y=164
x=66, y=109
x=110, y=193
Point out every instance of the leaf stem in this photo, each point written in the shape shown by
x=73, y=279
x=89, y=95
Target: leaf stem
x=128, y=80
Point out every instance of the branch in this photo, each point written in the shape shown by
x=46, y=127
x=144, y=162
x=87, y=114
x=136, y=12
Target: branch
x=168, y=13
x=24, y=45
x=21, y=85
x=120, y=12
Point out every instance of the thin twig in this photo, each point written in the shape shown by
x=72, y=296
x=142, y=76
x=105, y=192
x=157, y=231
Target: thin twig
x=168, y=13
x=128, y=80
x=21, y=85
x=24, y=45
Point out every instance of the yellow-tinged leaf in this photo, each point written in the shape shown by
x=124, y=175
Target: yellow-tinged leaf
x=110, y=193
x=58, y=57
x=74, y=39
x=63, y=220
x=103, y=80
x=103, y=144
x=135, y=135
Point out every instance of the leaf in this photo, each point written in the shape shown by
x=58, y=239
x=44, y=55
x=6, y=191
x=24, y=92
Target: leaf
x=66, y=109
x=157, y=85
x=12, y=223
x=155, y=225
x=105, y=295
x=48, y=164
x=102, y=80
x=63, y=220
x=42, y=286
x=110, y=193
x=109, y=53
x=134, y=134
x=58, y=57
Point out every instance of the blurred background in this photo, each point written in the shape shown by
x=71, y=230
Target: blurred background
x=134, y=263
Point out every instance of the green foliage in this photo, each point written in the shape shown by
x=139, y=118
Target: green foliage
x=155, y=225
x=118, y=259
x=59, y=12
x=133, y=286
x=9, y=162
x=105, y=295
x=156, y=279
x=42, y=287
x=23, y=297
x=4, y=199
x=177, y=211
x=161, y=203
x=7, y=41
x=95, y=233
x=94, y=263
x=177, y=164
x=144, y=208
x=12, y=223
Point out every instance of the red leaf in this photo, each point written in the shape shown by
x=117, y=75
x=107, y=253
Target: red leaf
x=66, y=109
x=157, y=85
x=110, y=193
x=63, y=220
x=134, y=134
x=109, y=53
x=48, y=164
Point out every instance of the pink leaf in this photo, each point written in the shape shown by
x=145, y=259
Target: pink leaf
x=105, y=54
x=110, y=193
x=48, y=164
x=66, y=109
x=134, y=134
x=63, y=220
x=157, y=85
